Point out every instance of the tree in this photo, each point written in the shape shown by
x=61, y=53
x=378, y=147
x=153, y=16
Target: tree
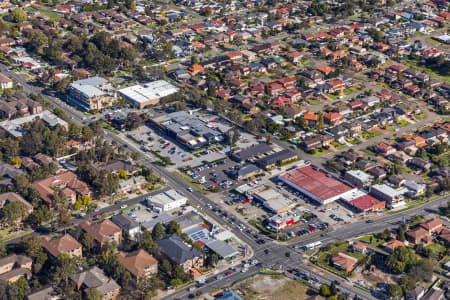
x=64, y=267
x=93, y=294
x=320, y=122
x=212, y=91
x=22, y=287
x=123, y=174
x=173, y=227
x=212, y=260
x=146, y=242
x=394, y=290
x=333, y=289
x=158, y=232
x=14, y=212
x=18, y=15
x=324, y=290
x=429, y=191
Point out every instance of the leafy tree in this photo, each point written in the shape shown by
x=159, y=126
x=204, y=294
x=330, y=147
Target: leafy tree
x=22, y=287
x=212, y=260
x=324, y=290
x=394, y=290
x=158, y=232
x=18, y=15
x=401, y=260
x=93, y=294
x=123, y=174
x=64, y=267
x=173, y=227
x=39, y=215
x=146, y=242
x=14, y=212
x=333, y=289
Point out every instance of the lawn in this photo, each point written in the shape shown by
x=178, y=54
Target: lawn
x=367, y=135
x=370, y=239
x=402, y=123
x=305, y=62
x=415, y=65
x=314, y=102
x=437, y=248
x=354, y=141
x=421, y=116
x=338, y=146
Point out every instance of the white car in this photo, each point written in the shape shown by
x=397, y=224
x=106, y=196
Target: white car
x=123, y=206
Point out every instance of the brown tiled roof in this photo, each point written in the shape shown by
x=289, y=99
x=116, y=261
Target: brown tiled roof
x=62, y=244
x=344, y=261
x=136, y=262
x=431, y=224
x=102, y=230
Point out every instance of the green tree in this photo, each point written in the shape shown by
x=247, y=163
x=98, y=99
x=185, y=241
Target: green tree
x=18, y=15
x=93, y=294
x=333, y=289
x=324, y=290
x=123, y=174
x=14, y=212
x=64, y=267
x=394, y=290
x=173, y=227
x=158, y=232
x=22, y=287
x=146, y=242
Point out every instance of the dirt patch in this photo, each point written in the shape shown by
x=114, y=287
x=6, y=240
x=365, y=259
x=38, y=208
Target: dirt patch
x=371, y=278
x=272, y=288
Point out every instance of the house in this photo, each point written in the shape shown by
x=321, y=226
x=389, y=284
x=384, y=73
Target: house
x=293, y=111
x=45, y=293
x=139, y=263
x=432, y=226
x=11, y=197
x=317, y=141
x=114, y=166
x=310, y=118
x=434, y=294
x=13, y=267
x=67, y=182
x=384, y=149
x=391, y=245
x=416, y=293
x=63, y=244
x=178, y=252
x=103, y=231
x=419, y=164
x=333, y=118
x=361, y=248
x=344, y=262
x=129, y=226
x=5, y=82
x=419, y=236
x=95, y=278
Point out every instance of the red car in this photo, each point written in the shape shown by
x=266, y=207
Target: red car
x=228, y=273
x=97, y=216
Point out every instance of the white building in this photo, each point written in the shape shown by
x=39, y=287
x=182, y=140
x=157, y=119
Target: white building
x=167, y=200
x=5, y=82
x=149, y=93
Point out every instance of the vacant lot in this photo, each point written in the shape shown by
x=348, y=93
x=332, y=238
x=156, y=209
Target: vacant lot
x=273, y=288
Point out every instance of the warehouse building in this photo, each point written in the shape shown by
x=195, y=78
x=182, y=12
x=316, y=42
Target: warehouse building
x=361, y=202
x=149, y=93
x=247, y=171
x=278, y=158
x=188, y=129
x=316, y=184
x=273, y=201
x=242, y=155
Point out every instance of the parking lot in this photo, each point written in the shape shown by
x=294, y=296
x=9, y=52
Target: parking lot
x=218, y=174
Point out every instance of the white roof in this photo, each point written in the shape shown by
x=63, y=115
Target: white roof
x=149, y=91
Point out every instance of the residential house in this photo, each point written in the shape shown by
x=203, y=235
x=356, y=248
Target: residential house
x=384, y=149
x=178, y=252
x=416, y=293
x=5, y=82
x=358, y=247
x=13, y=267
x=11, y=197
x=333, y=118
x=103, y=231
x=310, y=118
x=344, y=262
x=114, y=166
x=46, y=293
x=129, y=227
x=391, y=245
x=139, y=263
x=432, y=226
x=419, y=236
x=62, y=244
x=419, y=164
x=95, y=278
x=317, y=141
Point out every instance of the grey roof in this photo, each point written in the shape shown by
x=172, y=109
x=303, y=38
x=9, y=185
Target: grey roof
x=176, y=250
x=252, y=151
x=248, y=169
x=89, y=86
x=161, y=218
x=117, y=165
x=93, y=81
x=95, y=278
x=221, y=248
x=9, y=171
x=45, y=293
x=124, y=222
x=188, y=220
x=276, y=157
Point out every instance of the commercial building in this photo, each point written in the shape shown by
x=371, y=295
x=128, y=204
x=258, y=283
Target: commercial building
x=242, y=155
x=272, y=160
x=393, y=197
x=359, y=178
x=92, y=93
x=189, y=129
x=363, y=202
x=167, y=200
x=149, y=93
x=247, y=171
x=273, y=200
x=316, y=184
x=14, y=128
x=284, y=220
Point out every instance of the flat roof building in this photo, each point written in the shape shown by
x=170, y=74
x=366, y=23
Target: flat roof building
x=359, y=178
x=273, y=200
x=393, y=197
x=271, y=161
x=92, y=93
x=316, y=184
x=242, y=155
x=167, y=200
x=190, y=130
x=149, y=93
